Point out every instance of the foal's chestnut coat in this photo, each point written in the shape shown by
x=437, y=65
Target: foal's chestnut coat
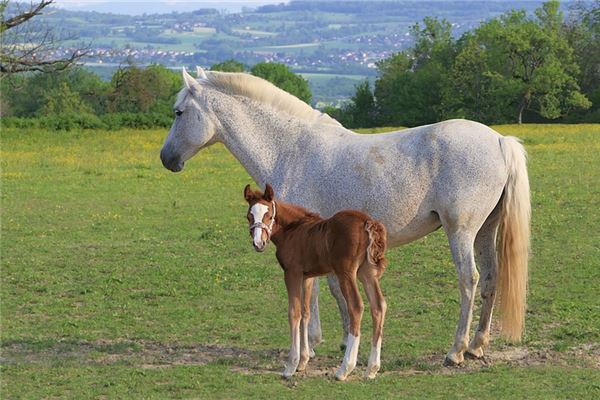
x=349, y=244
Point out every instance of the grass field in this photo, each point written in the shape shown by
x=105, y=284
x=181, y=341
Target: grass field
x=123, y=280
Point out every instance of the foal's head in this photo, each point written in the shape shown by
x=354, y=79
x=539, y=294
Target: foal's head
x=261, y=215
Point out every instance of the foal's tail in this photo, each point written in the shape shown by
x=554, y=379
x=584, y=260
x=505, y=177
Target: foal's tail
x=513, y=249
x=377, y=243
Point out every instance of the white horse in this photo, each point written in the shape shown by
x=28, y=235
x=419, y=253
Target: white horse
x=459, y=175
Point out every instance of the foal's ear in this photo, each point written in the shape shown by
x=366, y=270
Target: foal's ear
x=248, y=194
x=269, y=194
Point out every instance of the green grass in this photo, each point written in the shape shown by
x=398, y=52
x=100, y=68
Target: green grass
x=121, y=279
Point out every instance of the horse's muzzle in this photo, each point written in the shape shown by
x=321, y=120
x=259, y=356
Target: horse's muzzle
x=171, y=163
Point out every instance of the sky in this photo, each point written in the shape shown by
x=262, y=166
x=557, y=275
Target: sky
x=136, y=7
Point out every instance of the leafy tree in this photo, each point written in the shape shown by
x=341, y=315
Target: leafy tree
x=360, y=112
x=532, y=58
x=150, y=89
x=410, y=85
x=27, y=94
x=282, y=77
x=362, y=106
x=583, y=34
x=229, y=66
x=63, y=101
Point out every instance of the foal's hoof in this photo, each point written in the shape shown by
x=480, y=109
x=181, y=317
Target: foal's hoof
x=371, y=373
x=475, y=354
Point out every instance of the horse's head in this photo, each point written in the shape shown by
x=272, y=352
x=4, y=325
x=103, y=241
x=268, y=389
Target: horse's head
x=194, y=126
x=261, y=215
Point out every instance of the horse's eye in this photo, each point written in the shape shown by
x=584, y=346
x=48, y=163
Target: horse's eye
x=178, y=112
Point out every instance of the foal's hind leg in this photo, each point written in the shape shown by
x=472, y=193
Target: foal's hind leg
x=485, y=249
x=336, y=291
x=347, y=280
x=461, y=244
x=369, y=276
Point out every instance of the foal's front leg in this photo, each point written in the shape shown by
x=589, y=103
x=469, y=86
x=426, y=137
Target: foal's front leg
x=293, y=283
x=304, y=341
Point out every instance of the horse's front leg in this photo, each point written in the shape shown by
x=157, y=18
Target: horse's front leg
x=304, y=342
x=314, y=323
x=293, y=283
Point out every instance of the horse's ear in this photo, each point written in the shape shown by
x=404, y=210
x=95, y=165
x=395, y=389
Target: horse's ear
x=248, y=194
x=269, y=194
x=200, y=73
x=190, y=83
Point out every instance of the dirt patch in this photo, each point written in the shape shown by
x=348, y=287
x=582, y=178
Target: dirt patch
x=147, y=354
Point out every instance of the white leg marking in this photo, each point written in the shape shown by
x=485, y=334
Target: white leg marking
x=349, y=358
x=294, y=357
x=374, y=360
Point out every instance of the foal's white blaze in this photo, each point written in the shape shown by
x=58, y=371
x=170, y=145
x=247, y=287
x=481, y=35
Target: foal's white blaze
x=349, y=357
x=258, y=211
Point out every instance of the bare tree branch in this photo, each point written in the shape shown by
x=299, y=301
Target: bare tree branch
x=24, y=17
x=32, y=47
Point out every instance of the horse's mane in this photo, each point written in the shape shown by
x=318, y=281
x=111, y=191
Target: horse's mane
x=264, y=92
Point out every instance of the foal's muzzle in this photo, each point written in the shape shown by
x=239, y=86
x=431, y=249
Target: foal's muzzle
x=172, y=163
x=260, y=247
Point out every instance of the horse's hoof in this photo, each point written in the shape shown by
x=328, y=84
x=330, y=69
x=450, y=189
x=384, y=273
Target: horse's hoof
x=340, y=377
x=449, y=362
x=286, y=376
x=311, y=353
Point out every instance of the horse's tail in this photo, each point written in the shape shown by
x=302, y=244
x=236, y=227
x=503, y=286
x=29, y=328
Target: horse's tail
x=513, y=242
x=377, y=243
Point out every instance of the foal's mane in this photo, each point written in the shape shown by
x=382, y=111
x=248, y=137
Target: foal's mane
x=262, y=91
x=291, y=215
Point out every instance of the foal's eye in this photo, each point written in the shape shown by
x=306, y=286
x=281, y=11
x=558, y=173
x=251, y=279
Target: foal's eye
x=178, y=112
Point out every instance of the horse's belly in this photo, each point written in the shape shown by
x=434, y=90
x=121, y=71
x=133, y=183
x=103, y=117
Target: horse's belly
x=416, y=229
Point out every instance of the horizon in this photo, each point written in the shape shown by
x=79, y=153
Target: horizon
x=132, y=7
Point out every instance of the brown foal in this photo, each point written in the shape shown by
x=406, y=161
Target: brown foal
x=349, y=244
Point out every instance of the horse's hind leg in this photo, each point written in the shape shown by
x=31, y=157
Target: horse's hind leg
x=461, y=244
x=369, y=276
x=485, y=251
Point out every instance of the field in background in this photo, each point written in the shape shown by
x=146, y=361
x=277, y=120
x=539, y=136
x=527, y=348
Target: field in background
x=121, y=279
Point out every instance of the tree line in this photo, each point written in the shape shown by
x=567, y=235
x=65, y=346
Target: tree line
x=514, y=68
x=135, y=97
